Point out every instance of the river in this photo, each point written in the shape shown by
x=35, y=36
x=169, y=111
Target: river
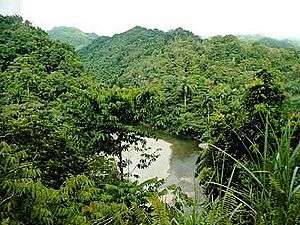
x=175, y=164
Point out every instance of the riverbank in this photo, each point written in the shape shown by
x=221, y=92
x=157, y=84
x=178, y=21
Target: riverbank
x=176, y=163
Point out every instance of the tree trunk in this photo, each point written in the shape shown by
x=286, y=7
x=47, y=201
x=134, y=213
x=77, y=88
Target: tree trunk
x=185, y=96
x=120, y=164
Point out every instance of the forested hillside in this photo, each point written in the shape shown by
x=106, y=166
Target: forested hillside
x=191, y=80
x=64, y=124
x=237, y=95
x=140, y=55
x=272, y=42
x=72, y=36
x=59, y=133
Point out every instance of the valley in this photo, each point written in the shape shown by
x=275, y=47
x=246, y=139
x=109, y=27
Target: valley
x=99, y=129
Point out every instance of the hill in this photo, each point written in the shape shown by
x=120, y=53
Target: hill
x=141, y=56
x=63, y=134
x=130, y=55
x=55, y=126
x=179, y=70
x=72, y=36
x=272, y=42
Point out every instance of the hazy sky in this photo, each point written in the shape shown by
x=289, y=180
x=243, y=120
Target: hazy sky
x=278, y=18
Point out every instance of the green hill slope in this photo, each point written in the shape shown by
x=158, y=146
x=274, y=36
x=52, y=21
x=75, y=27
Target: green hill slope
x=272, y=42
x=129, y=57
x=72, y=36
x=188, y=78
x=141, y=56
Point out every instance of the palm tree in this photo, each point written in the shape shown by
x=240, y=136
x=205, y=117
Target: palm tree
x=187, y=90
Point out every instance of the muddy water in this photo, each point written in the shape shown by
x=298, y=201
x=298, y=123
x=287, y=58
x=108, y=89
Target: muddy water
x=175, y=164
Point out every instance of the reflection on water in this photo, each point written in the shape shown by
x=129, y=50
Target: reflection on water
x=176, y=163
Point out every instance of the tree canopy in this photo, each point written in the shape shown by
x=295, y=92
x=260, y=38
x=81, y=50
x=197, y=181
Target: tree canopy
x=72, y=36
x=66, y=117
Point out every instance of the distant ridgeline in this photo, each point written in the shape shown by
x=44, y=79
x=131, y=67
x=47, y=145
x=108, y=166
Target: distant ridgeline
x=141, y=56
x=272, y=42
x=72, y=36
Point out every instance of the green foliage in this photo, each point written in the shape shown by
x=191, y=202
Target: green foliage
x=62, y=132
x=192, y=81
x=270, y=193
x=160, y=212
x=242, y=137
x=55, y=112
x=72, y=36
x=25, y=200
x=272, y=42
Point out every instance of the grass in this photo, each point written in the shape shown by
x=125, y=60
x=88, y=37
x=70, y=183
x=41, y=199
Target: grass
x=269, y=194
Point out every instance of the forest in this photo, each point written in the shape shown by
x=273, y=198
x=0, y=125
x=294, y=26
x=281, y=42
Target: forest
x=72, y=103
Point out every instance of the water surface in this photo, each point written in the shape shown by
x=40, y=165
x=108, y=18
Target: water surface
x=176, y=163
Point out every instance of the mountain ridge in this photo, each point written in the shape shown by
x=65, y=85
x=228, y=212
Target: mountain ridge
x=72, y=36
x=140, y=55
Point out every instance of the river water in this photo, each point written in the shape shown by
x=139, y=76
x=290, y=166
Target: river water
x=175, y=164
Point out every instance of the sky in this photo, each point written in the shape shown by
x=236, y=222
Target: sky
x=276, y=18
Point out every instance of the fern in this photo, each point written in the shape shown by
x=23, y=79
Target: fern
x=160, y=212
